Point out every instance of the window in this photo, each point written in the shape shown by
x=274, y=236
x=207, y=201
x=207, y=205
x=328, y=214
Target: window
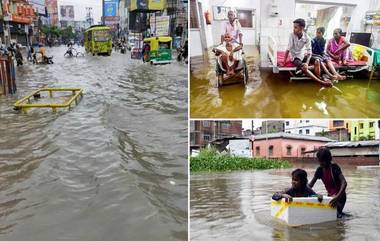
x=206, y=137
x=300, y=132
x=257, y=151
x=289, y=150
x=245, y=18
x=270, y=150
x=307, y=131
x=361, y=126
x=287, y=123
x=303, y=149
x=307, y=121
x=194, y=22
x=355, y=130
x=206, y=123
x=337, y=123
x=371, y=124
x=226, y=125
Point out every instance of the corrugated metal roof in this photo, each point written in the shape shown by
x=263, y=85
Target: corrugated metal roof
x=343, y=144
x=292, y=136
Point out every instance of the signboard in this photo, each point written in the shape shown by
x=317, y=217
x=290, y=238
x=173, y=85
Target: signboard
x=160, y=25
x=109, y=21
x=110, y=8
x=148, y=5
x=67, y=13
x=39, y=6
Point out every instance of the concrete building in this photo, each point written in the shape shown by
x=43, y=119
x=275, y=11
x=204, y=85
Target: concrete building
x=337, y=134
x=203, y=132
x=285, y=145
x=340, y=124
x=272, y=126
x=16, y=19
x=364, y=130
x=306, y=127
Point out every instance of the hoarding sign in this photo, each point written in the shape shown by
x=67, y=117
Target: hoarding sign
x=110, y=8
x=160, y=25
x=157, y=5
x=52, y=9
x=67, y=13
x=39, y=5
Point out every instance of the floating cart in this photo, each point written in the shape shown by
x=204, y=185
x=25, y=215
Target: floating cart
x=26, y=103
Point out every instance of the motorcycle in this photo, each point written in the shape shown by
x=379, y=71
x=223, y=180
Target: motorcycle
x=183, y=53
x=123, y=49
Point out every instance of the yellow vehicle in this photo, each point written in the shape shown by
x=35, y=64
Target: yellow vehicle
x=158, y=50
x=97, y=40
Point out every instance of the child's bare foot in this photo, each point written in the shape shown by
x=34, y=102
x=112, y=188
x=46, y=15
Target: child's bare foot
x=341, y=77
x=344, y=62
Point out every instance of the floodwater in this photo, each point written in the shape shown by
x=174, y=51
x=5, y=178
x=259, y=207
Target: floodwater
x=112, y=168
x=273, y=96
x=236, y=206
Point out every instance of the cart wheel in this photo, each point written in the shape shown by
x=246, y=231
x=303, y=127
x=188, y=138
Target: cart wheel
x=220, y=81
x=246, y=77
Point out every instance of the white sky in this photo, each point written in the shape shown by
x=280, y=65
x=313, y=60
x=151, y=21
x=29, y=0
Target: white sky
x=80, y=8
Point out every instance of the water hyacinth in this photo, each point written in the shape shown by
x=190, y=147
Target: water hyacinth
x=211, y=160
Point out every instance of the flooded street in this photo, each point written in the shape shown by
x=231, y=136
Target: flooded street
x=112, y=168
x=236, y=206
x=274, y=97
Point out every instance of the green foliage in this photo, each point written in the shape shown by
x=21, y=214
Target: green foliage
x=211, y=160
x=52, y=31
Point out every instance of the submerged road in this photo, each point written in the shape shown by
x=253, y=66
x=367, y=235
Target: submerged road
x=112, y=168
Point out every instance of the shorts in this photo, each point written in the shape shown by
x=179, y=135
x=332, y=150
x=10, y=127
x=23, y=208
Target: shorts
x=321, y=57
x=298, y=62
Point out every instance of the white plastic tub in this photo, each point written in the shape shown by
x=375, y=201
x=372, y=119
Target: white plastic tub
x=303, y=211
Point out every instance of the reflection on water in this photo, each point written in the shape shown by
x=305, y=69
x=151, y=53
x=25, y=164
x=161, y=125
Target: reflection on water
x=236, y=206
x=273, y=96
x=113, y=168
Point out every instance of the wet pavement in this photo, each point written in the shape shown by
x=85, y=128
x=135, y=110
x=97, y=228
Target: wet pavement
x=112, y=168
x=236, y=206
x=272, y=96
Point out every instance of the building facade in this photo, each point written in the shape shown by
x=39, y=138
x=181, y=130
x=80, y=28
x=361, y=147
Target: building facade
x=203, y=132
x=272, y=126
x=17, y=16
x=281, y=145
x=306, y=127
x=364, y=130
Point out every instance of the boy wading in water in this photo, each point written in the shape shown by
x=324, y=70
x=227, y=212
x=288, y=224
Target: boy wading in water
x=333, y=179
x=299, y=42
x=299, y=188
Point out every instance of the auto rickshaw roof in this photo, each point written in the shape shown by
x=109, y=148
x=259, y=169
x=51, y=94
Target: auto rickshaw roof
x=159, y=38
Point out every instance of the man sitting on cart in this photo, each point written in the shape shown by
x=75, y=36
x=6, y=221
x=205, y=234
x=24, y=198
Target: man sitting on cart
x=229, y=55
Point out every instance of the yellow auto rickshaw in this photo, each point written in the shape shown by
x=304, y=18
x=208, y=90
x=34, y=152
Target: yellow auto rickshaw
x=158, y=50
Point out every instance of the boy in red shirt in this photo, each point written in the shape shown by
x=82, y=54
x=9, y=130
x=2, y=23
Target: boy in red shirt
x=333, y=179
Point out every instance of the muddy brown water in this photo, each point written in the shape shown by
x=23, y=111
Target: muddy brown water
x=112, y=168
x=236, y=206
x=272, y=96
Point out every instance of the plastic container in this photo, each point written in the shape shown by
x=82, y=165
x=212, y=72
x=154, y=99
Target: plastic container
x=303, y=211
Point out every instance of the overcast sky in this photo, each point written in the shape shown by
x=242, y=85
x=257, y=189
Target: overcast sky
x=80, y=8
